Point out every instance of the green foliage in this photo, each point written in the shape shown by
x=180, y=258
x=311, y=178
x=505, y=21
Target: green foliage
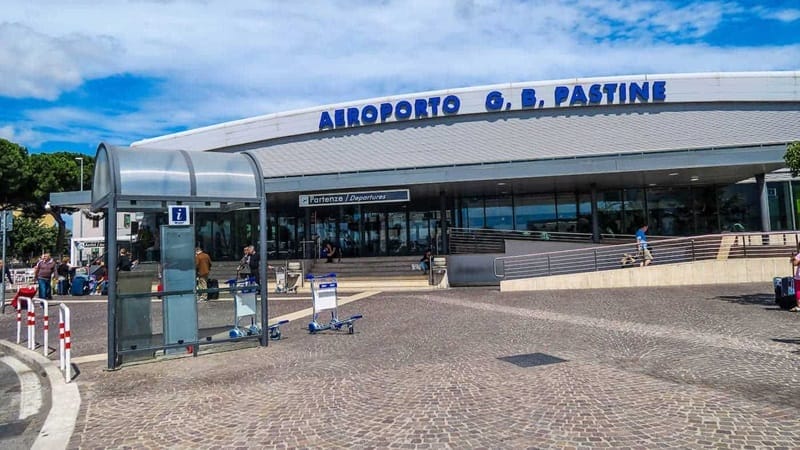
x=792, y=157
x=14, y=175
x=29, y=239
x=28, y=181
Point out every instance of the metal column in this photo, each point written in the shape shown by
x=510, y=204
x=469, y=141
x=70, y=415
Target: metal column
x=763, y=201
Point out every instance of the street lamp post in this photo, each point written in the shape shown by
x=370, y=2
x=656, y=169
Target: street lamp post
x=81, y=160
x=80, y=215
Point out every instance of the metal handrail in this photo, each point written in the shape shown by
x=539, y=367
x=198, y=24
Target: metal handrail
x=665, y=251
x=485, y=240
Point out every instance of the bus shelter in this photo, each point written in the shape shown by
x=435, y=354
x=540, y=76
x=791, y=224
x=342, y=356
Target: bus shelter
x=158, y=181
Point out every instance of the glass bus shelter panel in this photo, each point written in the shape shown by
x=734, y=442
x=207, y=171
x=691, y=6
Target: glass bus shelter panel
x=151, y=172
x=177, y=262
x=133, y=310
x=218, y=172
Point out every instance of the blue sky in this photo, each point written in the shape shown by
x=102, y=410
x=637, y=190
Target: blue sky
x=78, y=72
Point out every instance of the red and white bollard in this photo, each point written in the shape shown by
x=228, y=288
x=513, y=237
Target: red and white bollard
x=30, y=320
x=45, y=325
x=64, y=341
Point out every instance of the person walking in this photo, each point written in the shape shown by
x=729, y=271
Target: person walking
x=43, y=272
x=202, y=264
x=644, y=249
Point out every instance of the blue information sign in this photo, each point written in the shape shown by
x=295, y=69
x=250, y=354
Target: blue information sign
x=179, y=215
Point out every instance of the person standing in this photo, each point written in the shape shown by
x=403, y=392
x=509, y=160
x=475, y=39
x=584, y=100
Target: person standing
x=62, y=271
x=796, y=265
x=644, y=249
x=6, y=273
x=202, y=264
x=43, y=272
x=124, y=262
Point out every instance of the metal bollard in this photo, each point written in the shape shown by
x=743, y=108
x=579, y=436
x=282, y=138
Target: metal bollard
x=31, y=322
x=45, y=325
x=64, y=341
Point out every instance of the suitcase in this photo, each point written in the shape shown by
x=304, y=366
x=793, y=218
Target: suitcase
x=80, y=286
x=784, y=292
x=213, y=289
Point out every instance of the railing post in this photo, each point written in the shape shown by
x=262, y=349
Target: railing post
x=45, y=326
x=595, y=261
x=548, y=265
x=744, y=246
x=693, y=256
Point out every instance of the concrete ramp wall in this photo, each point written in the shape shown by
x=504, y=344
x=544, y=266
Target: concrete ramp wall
x=755, y=270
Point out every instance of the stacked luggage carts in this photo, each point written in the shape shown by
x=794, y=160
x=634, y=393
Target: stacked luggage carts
x=244, y=306
x=324, y=297
x=288, y=279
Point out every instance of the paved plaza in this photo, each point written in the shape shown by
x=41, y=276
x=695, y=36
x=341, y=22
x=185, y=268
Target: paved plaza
x=692, y=367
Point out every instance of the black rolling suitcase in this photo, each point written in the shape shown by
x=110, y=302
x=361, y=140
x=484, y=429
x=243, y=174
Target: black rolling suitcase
x=213, y=289
x=784, y=292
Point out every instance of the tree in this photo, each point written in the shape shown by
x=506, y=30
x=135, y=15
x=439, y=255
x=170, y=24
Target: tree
x=792, y=157
x=29, y=239
x=53, y=172
x=14, y=174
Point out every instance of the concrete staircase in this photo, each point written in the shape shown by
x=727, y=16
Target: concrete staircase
x=387, y=273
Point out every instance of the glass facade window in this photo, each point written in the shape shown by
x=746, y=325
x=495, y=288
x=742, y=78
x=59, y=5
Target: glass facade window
x=472, y=214
x=535, y=213
x=584, y=224
x=669, y=212
x=780, y=205
x=499, y=213
x=567, y=211
x=633, y=210
x=609, y=212
x=704, y=201
x=738, y=207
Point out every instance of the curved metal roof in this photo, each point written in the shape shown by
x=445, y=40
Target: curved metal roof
x=145, y=174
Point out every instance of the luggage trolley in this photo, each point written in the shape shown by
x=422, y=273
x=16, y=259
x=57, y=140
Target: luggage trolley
x=323, y=296
x=283, y=279
x=244, y=305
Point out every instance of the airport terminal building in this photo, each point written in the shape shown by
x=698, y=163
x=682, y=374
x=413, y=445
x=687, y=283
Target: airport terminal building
x=686, y=153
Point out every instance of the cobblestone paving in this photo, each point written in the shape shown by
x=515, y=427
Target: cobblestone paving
x=695, y=367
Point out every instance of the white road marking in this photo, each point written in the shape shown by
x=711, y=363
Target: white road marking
x=30, y=388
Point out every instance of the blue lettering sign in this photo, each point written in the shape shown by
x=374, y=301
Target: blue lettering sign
x=386, y=111
x=528, y=98
x=451, y=104
x=338, y=118
x=369, y=114
x=659, y=91
x=595, y=95
x=433, y=102
x=578, y=96
x=494, y=101
x=610, y=89
x=420, y=108
x=640, y=93
x=560, y=94
x=402, y=110
x=325, y=121
x=352, y=117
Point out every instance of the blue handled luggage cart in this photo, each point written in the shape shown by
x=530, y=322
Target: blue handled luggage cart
x=324, y=297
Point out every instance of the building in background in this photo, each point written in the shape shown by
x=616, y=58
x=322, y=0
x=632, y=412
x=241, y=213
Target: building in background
x=686, y=153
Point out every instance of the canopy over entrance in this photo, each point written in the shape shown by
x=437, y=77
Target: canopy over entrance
x=145, y=179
